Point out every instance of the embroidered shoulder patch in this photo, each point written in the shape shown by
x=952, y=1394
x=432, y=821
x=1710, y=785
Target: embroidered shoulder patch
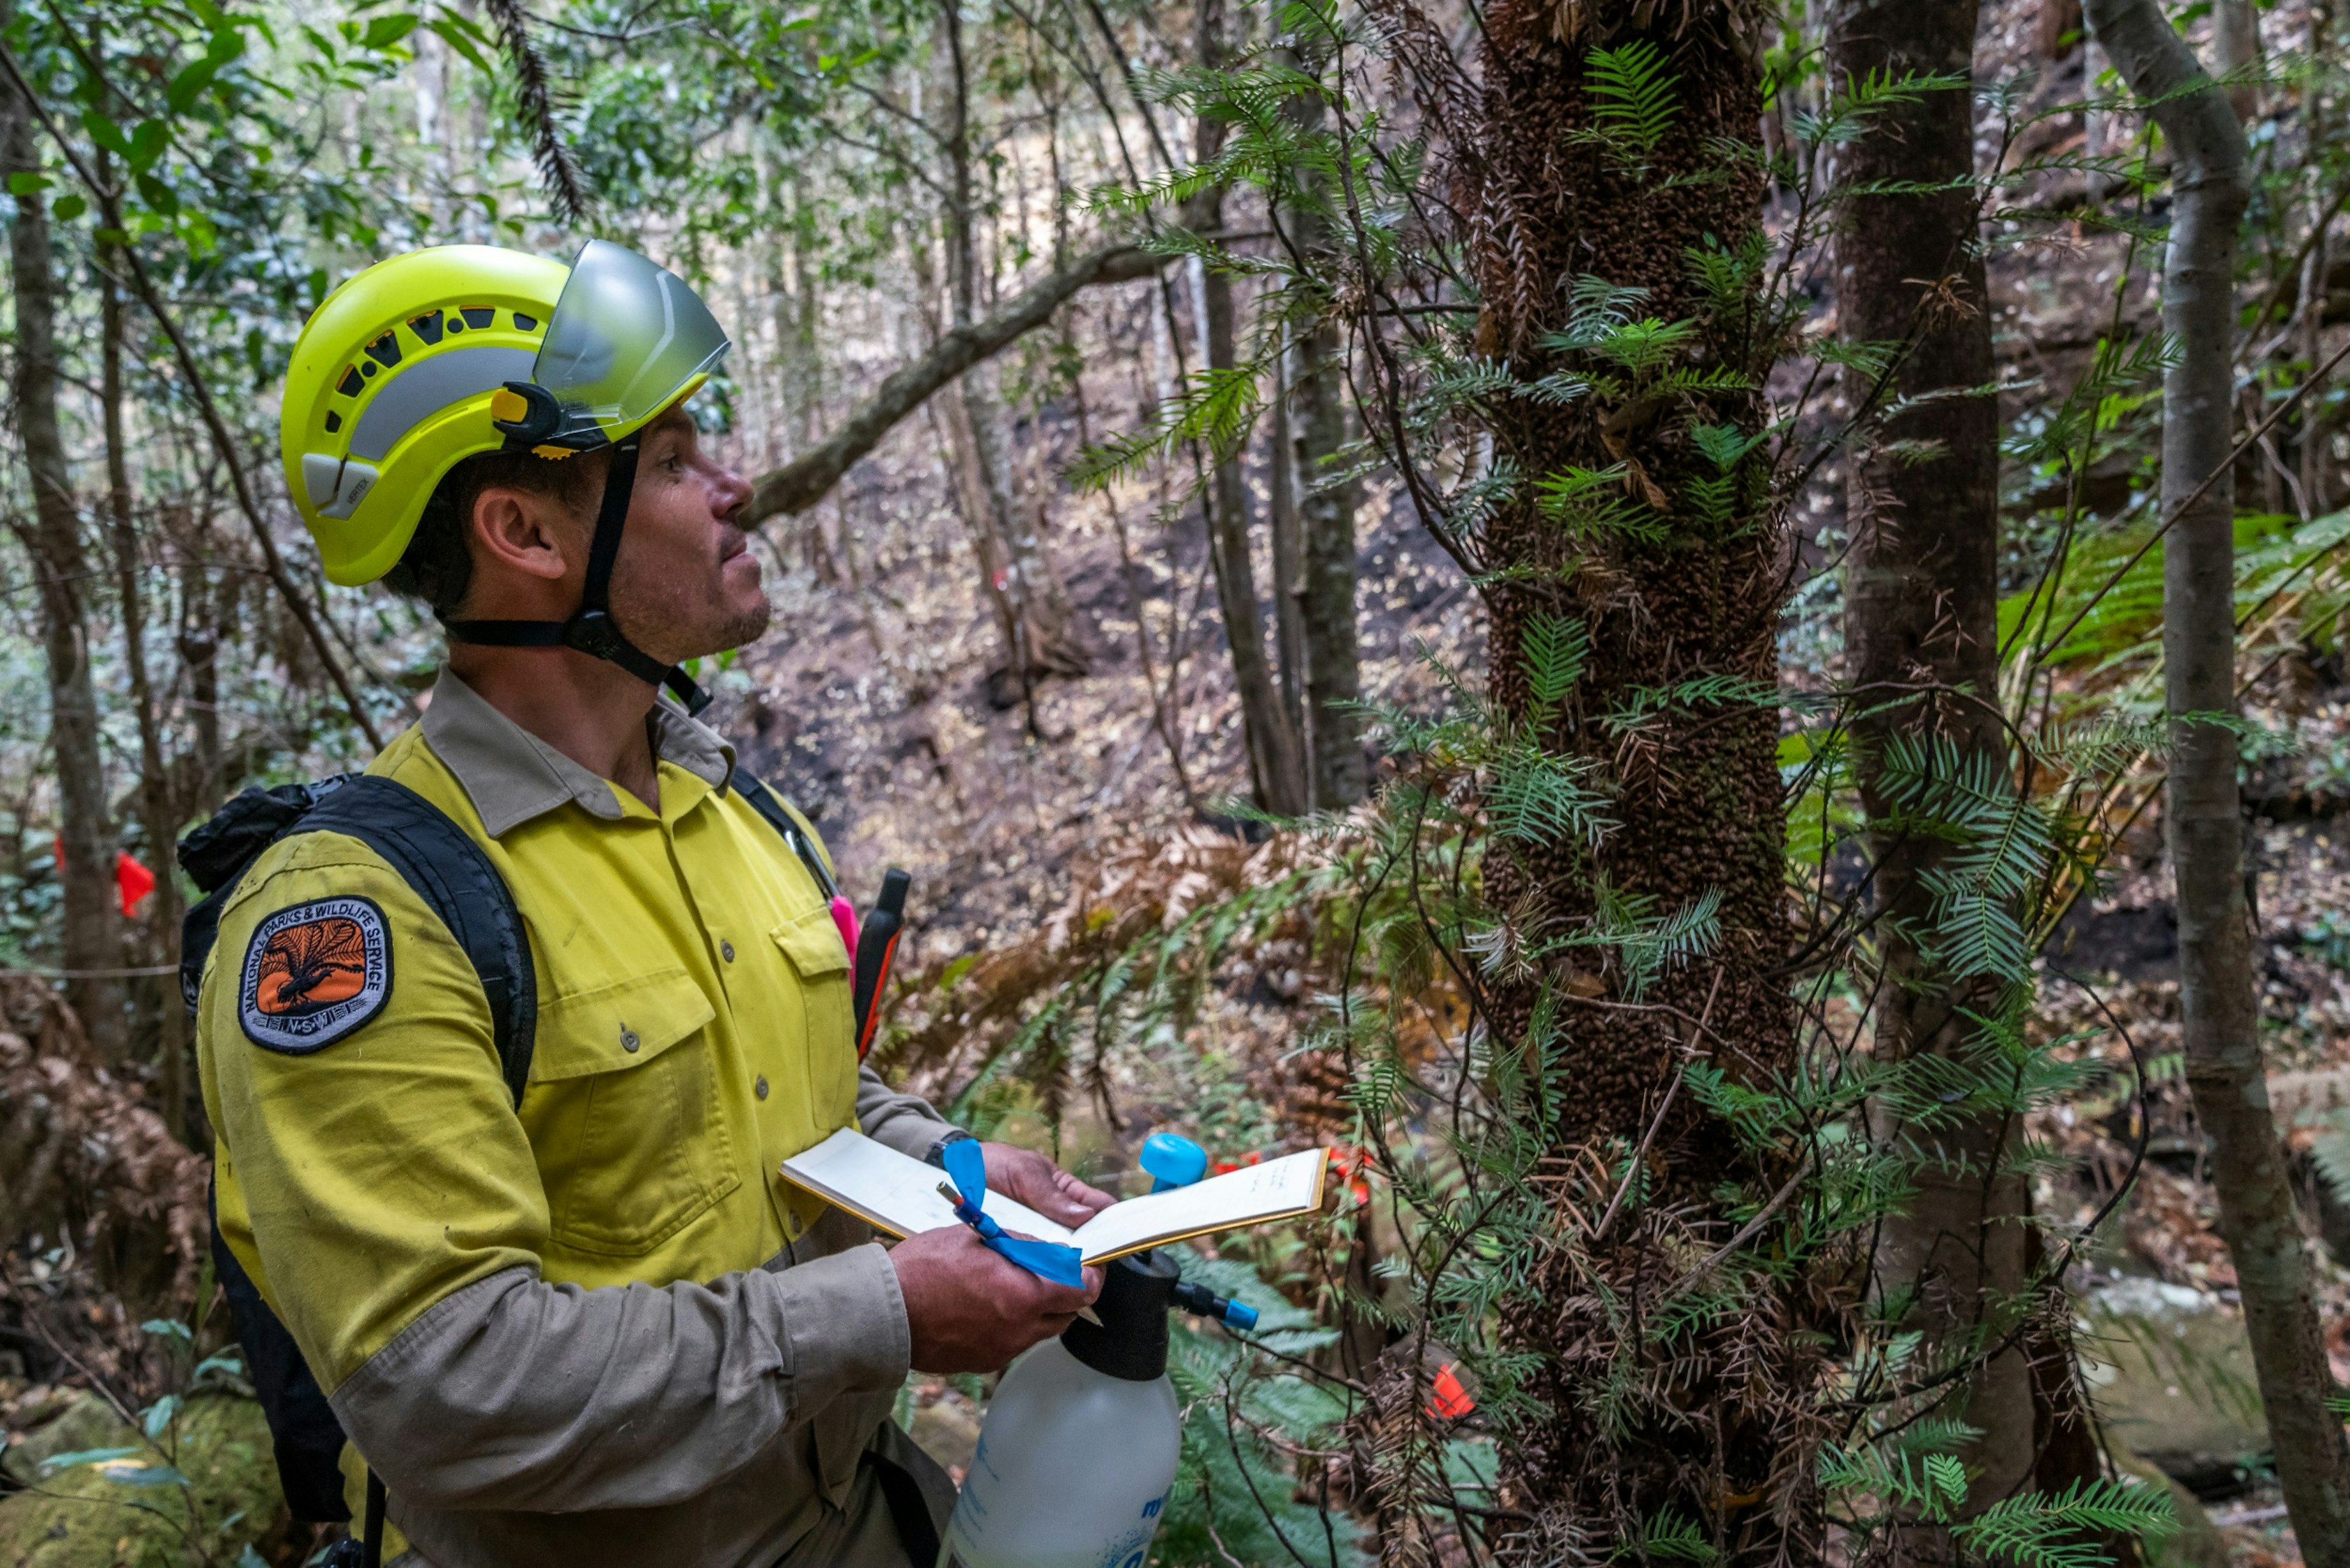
x=314, y=974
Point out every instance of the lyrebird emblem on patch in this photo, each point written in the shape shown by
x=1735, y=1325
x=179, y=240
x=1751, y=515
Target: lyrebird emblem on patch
x=314, y=974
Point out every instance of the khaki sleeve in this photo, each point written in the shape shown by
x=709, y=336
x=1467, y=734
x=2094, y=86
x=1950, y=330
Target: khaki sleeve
x=905, y=1122
x=396, y=1211
x=514, y=1394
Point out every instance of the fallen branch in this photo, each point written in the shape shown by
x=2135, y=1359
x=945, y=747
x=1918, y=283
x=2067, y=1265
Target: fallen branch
x=807, y=478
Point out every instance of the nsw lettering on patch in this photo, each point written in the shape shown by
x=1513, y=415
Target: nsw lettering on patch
x=314, y=974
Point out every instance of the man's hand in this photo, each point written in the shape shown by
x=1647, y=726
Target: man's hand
x=970, y=1309
x=1026, y=1177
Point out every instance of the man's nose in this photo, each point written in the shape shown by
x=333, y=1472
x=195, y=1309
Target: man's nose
x=734, y=498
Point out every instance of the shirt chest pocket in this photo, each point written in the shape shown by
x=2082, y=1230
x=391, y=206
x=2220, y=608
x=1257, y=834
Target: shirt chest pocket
x=811, y=941
x=826, y=1027
x=624, y=1117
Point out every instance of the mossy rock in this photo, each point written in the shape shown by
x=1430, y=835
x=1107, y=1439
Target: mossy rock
x=206, y=1492
x=89, y=1422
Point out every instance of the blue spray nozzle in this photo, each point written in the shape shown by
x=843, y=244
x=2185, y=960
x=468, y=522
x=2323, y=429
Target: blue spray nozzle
x=1172, y=1161
x=1200, y=1299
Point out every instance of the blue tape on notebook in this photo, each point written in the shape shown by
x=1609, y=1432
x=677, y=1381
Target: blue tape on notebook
x=967, y=1168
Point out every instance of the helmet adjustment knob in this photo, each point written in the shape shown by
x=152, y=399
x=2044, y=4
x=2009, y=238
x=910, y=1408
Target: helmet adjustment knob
x=526, y=413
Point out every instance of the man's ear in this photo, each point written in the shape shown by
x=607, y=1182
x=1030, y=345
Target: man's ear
x=519, y=532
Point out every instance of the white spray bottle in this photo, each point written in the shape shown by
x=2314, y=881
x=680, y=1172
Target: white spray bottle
x=1080, y=1442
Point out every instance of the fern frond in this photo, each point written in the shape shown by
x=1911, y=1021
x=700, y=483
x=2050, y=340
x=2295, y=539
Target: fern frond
x=2330, y=1152
x=1724, y=446
x=1537, y=797
x=1676, y=1539
x=1647, y=344
x=1594, y=307
x=1554, y=646
x=1589, y=502
x=1631, y=102
x=2035, y=1531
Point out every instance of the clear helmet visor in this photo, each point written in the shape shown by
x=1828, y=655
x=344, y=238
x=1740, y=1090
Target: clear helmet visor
x=625, y=337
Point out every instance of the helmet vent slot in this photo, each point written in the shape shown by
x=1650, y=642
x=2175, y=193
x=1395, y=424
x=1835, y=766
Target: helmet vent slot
x=385, y=350
x=426, y=327
x=350, y=384
x=477, y=316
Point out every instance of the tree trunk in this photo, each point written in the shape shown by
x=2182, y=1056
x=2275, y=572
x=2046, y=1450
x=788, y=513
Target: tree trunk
x=1921, y=609
x=1288, y=568
x=1325, y=504
x=2317, y=115
x=206, y=603
x=2058, y=28
x=976, y=506
x=2220, y=1024
x=155, y=815
x=1277, y=760
x=1696, y=798
x=1045, y=637
x=93, y=938
x=2236, y=49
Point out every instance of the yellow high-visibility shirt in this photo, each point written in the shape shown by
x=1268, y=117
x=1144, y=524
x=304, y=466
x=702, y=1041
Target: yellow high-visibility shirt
x=694, y=1031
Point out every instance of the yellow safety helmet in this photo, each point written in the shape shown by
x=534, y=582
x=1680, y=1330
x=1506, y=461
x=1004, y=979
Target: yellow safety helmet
x=427, y=358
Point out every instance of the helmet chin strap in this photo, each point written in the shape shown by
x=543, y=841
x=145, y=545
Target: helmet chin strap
x=591, y=628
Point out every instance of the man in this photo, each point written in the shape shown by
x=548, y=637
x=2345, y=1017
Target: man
x=596, y=1326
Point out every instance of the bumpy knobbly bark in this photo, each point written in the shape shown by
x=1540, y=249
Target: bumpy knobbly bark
x=1696, y=793
x=1696, y=790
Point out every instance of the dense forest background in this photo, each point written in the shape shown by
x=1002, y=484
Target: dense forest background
x=1707, y=635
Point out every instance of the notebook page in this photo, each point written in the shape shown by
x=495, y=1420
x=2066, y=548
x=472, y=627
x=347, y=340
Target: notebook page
x=1249, y=1196
x=897, y=1192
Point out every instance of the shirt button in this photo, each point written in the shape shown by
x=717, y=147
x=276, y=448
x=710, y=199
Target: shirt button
x=629, y=1041
x=727, y=949
x=760, y=1088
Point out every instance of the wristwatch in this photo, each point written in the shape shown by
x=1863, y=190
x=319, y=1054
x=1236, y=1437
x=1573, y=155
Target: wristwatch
x=938, y=1155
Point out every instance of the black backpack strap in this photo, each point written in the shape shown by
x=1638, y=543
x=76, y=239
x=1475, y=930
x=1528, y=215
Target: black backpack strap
x=770, y=805
x=215, y=853
x=449, y=871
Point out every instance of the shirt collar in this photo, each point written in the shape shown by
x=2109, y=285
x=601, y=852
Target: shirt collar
x=511, y=775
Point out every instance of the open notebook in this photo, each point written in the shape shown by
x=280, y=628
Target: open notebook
x=896, y=1193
